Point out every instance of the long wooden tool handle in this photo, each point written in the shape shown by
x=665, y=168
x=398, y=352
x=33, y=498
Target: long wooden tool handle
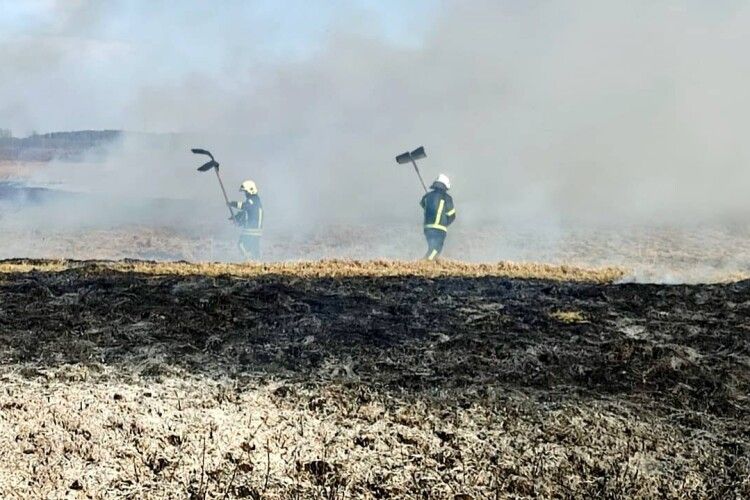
x=226, y=198
x=417, y=171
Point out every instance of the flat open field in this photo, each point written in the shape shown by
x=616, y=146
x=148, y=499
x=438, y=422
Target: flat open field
x=662, y=255
x=45, y=216
x=369, y=380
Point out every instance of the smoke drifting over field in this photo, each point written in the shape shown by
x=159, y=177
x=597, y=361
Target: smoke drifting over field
x=544, y=113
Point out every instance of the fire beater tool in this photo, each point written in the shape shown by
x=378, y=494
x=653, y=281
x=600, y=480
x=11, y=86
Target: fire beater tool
x=213, y=165
x=412, y=157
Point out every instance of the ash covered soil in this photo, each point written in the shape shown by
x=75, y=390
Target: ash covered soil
x=369, y=380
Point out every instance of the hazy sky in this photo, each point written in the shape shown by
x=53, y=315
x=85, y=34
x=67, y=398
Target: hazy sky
x=74, y=64
x=543, y=110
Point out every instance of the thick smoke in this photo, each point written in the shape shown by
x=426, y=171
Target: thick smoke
x=545, y=114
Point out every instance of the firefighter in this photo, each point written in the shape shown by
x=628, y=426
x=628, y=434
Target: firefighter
x=250, y=220
x=439, y=213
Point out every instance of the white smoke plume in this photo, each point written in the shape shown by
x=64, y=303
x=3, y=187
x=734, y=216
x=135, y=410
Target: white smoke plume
x=544, y=113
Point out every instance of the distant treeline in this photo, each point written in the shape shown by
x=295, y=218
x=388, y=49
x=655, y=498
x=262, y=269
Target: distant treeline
x=66, y=146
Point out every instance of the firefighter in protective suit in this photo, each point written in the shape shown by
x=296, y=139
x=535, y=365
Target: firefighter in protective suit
x=249, y=218
x=439, y=213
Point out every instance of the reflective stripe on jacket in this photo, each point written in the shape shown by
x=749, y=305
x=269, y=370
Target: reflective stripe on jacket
x=439, y=212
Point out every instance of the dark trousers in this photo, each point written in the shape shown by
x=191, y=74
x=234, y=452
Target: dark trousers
x=435, y=242
x=250, y=246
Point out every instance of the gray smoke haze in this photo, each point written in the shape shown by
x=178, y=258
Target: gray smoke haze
x=542, y=112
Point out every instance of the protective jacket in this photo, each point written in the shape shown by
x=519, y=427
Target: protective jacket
x=250, y=215
x=439, y=212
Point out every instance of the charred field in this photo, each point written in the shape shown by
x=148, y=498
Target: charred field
x=369, y=380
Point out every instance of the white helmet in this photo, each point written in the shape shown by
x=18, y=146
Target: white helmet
x=249, y=187
x=444, y=180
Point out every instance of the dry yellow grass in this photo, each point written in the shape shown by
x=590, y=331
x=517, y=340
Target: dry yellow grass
x=569, y=316
x=327, y=269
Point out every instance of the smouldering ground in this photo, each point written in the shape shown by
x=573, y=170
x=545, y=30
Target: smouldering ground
x=369, y=380
x=659, y=254
x=66, y=220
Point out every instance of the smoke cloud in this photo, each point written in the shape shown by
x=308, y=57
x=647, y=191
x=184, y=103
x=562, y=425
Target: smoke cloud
x=543, y=113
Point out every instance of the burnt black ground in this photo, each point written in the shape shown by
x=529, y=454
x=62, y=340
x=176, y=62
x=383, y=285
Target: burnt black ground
x=677, y=352
x=681, y=345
